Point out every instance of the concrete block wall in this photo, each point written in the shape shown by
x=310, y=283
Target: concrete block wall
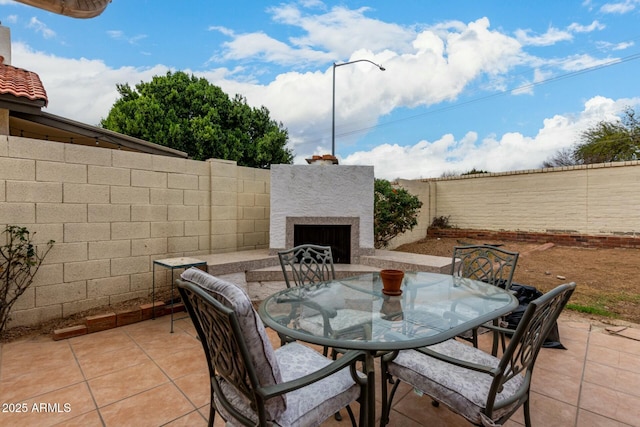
x=254, y=206
x=113, y=212
x=239, y=207
x=599, y=199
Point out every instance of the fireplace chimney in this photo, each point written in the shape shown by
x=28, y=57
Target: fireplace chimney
x=5, y=44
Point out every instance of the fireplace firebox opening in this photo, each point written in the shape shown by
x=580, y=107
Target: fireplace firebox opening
x=336, y=236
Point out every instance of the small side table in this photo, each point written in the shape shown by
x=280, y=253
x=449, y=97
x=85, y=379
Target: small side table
x=173, y=264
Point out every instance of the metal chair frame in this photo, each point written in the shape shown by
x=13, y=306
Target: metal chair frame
x=518, y=359
x=307, y=264
x=489, y=264
x=228, y=358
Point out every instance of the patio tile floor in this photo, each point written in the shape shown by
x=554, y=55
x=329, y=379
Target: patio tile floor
x=143, y=375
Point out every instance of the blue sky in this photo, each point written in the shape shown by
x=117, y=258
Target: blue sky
x=490, y=85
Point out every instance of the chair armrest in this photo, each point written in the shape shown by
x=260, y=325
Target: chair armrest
x=498, y=328
x=347, y=359
x=458, y=362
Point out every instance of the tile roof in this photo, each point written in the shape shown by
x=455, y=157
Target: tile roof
x=21, y=83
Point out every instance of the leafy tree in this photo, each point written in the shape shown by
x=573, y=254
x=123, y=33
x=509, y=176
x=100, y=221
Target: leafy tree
x=605, y=142
x=611, y=141
x=473, y=172
x=191, y=115
x=563, y=157
x=395, y=211
x=450, y=174
x=19, y=263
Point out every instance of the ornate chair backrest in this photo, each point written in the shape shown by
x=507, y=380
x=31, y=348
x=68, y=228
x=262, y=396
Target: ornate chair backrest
x=307, y=264
x=238, y=351
x=486, y=263
x=521, y=353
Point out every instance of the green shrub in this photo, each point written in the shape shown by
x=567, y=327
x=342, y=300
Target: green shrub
x=441, y=222
x=395, y=211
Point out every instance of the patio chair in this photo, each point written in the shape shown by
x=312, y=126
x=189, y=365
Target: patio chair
x=307, y=264
x=482, y=388
x=489, y=264
x=313, y=264
x=251, y=383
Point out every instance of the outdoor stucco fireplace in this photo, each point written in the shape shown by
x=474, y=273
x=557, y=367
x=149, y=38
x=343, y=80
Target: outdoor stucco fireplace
x=323, y=204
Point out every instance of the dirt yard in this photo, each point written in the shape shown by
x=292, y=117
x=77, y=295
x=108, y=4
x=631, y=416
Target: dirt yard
x=608, y=280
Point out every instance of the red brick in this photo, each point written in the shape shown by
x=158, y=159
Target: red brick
x=70, y=332
x=101, y=322
x=128, y=317
x=147, y=310
x=177, y=308
x=559, y=237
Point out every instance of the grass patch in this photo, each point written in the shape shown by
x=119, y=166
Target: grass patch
x=588, y=309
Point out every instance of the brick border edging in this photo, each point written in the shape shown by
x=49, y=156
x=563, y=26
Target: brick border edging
x=559, y=238
x=110, y=320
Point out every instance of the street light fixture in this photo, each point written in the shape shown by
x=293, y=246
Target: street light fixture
x=333, y=117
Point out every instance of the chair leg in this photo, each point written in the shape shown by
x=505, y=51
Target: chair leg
x=527, y=414
x=212, y=414
x=351, y=416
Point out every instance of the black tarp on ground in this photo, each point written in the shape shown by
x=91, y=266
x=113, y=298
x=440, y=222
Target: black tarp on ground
x=525, y=295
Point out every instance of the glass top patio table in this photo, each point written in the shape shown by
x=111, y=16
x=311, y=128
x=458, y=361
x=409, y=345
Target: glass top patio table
x=353, y=313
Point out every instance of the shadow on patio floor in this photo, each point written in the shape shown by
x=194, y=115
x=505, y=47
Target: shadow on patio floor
x=143, y=375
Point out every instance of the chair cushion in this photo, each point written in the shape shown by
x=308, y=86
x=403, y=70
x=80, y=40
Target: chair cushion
x=328, y=298
x=461, y=389
x=310, y=405
x=260, y=348
x=344, y=319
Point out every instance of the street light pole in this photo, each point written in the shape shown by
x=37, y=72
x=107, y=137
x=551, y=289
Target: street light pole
x=333, y=113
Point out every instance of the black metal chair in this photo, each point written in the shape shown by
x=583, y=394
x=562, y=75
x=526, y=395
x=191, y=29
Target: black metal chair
x=484, y=389
x=326, y=313
x=251, y=383
x=305, y=264
x=310, y=264
x=489, y=264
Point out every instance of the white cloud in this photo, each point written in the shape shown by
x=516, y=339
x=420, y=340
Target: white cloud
x=552, y=36
x=80, y=89
x=578, y=28
x=424, y=66
x=261, y=46
x=619, y=7
x=120, y=35
x=433, y=65
x=41, y=27
x=581, y=62
x=509, y=152
x=614, y=46
x=555, y=35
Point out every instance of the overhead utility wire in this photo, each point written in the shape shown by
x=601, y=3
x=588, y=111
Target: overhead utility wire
x=495, y=95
